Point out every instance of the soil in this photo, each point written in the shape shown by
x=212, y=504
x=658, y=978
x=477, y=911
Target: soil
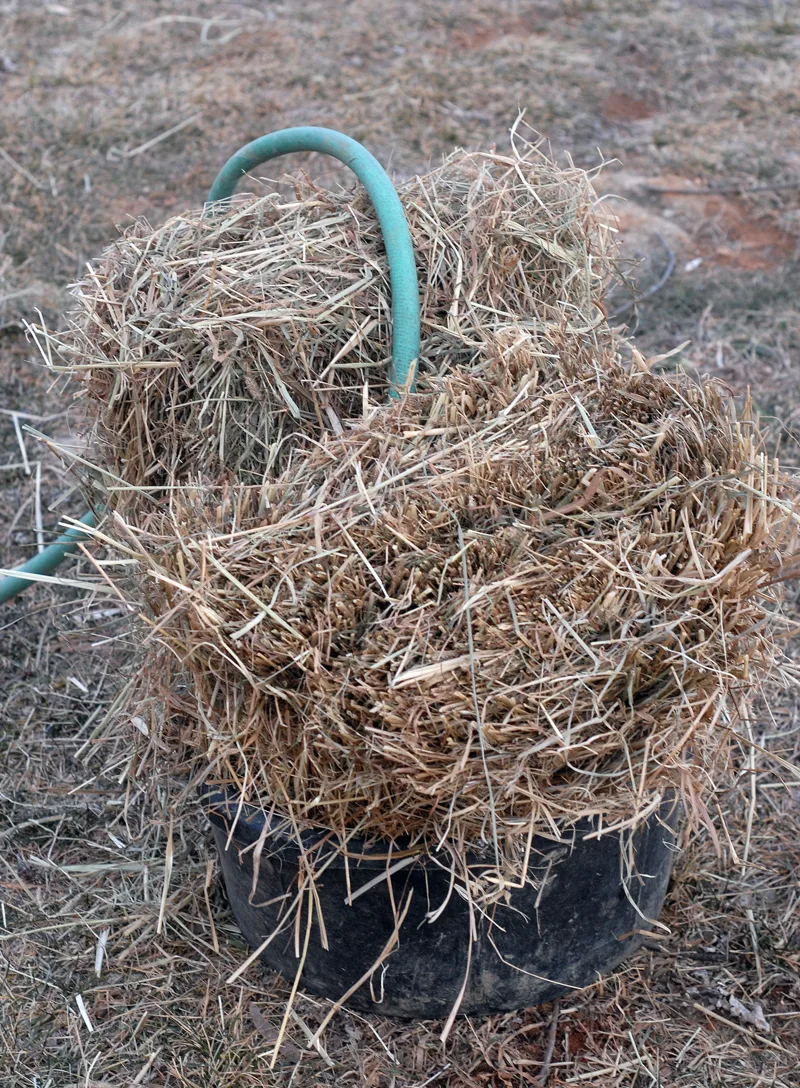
x=619, y=106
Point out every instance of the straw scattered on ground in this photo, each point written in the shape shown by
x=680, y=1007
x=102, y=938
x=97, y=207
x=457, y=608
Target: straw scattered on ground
x=103, y=902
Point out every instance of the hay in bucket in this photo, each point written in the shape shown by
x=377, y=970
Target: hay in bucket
x=531, y=593
x=538, y=590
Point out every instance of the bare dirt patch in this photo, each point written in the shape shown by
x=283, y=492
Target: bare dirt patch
x=619, y=106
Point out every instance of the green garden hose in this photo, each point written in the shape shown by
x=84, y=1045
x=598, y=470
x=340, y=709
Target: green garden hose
x=45, y=562
x=402, y=275
x=392, y=219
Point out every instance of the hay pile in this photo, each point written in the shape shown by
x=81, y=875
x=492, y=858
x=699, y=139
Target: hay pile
x=522, y=596
x=534, y=591
x=210, y=347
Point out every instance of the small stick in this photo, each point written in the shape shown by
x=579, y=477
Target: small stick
x=148, y=1065
x=21, y=442
x=309, y=1034
x=206, y=886
x=740, y=1028
x=162, y=136
x=168, y=858
x=754, y=940
x=84, y=1012
x=29, y=415
x=21, y=170
x=7, y=832
x=100, y=952
x=451, y=1019
x=296, y=983
x=595, y=1073
x=551, y=1045
x=37, y=508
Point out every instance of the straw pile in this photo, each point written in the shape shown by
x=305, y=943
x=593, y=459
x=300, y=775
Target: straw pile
x=210, y=347
x=520, y=597
x=534, y=591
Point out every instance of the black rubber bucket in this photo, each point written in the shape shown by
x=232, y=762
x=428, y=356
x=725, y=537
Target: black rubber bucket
x=580, y=923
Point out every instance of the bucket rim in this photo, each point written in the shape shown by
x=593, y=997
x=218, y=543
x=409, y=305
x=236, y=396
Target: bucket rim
x=243, y=820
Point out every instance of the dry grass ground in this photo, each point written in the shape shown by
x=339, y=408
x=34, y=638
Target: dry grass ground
x=116, y=940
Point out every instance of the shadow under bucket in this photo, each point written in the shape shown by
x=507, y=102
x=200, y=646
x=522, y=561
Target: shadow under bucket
x=576, y=924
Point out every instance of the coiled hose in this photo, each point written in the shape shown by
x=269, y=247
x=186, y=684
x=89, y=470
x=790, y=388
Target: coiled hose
x=402, y=276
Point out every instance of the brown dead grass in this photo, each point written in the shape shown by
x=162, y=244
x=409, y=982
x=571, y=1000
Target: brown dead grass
x=86, y=869
x=94, y=81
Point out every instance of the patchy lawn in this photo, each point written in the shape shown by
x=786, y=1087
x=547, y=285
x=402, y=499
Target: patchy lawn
x=112, y=976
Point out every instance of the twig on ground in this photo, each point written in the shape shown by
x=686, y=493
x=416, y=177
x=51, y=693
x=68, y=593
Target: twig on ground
x=551, y=1045
x=20, y=169
x=740, y=1028
x=37, y=508
x=21, y=443
x=162, y=136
